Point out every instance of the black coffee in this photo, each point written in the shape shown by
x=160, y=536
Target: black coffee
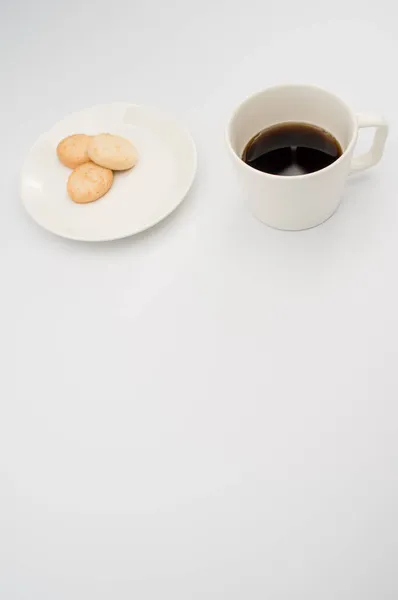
x=291, y=149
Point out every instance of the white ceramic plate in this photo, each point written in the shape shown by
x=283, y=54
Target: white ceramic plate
x=138, y=199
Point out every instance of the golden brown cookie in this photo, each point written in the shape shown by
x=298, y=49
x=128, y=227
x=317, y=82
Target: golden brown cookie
x=112, y=151
x=72, y=150
x=88, y=182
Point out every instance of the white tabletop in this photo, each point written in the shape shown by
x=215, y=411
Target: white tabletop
x=207, y=410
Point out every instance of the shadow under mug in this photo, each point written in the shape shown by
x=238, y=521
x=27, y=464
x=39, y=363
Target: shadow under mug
x=300, y=201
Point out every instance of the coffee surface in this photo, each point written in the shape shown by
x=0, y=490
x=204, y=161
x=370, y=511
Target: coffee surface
x=291, y=149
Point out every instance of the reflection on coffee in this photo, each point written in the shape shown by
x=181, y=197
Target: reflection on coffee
x=292, y=149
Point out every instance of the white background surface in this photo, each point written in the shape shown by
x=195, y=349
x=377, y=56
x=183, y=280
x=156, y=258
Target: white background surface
x=209, y=410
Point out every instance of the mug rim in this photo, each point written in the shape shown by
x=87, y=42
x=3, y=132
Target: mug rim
x=291, y=85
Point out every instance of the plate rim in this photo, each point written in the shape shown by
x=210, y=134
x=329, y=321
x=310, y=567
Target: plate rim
x=181, y=196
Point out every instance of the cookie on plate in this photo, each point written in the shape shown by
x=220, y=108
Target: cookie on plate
x=89, y=182
x=112, y=151
x=73, y=150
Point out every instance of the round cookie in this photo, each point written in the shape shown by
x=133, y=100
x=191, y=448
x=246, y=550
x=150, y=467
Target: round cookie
x=88, y=182
x=73, y=150
x=112, y=151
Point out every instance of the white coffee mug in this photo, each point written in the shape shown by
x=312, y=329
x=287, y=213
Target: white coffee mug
x=300, y=201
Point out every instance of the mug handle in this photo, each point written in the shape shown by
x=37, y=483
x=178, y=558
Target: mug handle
x=372, y=157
